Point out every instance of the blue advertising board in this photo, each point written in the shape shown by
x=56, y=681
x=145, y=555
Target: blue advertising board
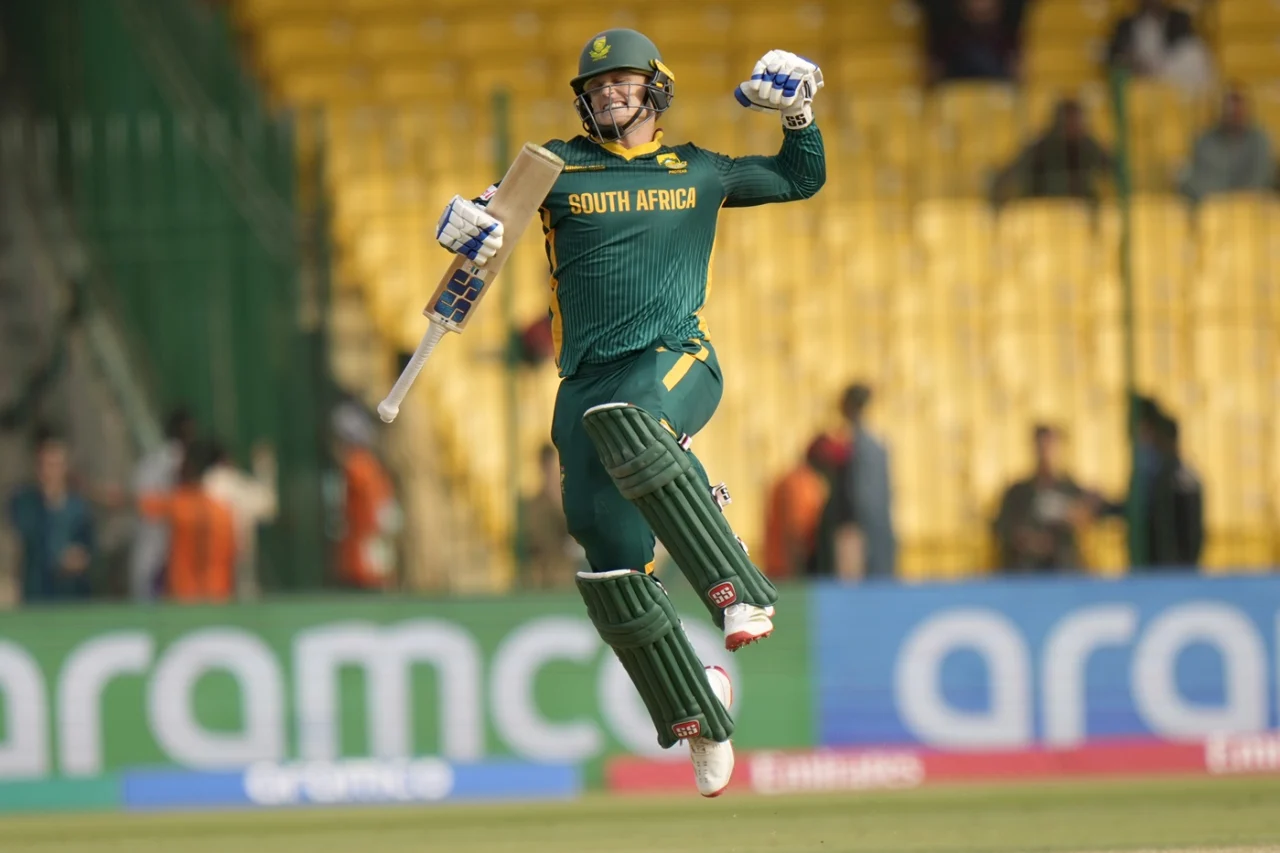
x=355, y=782
x=1014, y=663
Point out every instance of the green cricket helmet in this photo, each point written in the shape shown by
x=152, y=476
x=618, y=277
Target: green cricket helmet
x=622, y=50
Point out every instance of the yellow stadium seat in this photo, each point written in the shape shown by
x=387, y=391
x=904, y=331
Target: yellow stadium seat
x=757, y=29
x=329, y=85
x=1032, y=223
x=1251, y=59
x=1265, y=98
x=303, y=42
x=258, y=13
x=1163, y=124
x=1239, y=249
x=570, y=27
x=885, y=126
x=387, y=7
x=955, y=237
x=1074, y=19
x=870, y=244
x=972, y=133
x=878, y=20
x=1162, y=353
x=1062, y=63
x=504, y=39
x=1240, y=352
x=420, y=83
x=1248, y=17
x=391, y=40
x=685, y=31
x=1162, y=248
x=877, y=67
x=705, y=75
x=1161, y=231
x=1051, y=247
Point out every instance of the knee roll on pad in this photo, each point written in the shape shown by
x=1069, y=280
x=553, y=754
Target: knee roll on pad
x=654, y=472
x=635, y=618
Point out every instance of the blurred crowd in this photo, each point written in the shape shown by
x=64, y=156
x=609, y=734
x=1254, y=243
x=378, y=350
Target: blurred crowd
x=197, y=518
x=981, y=40
x=831, y=514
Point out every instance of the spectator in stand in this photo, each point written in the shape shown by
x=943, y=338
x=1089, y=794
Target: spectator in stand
x=973, y=39
x=1065, y=162
x=795, y=508
x=55, y=529
x=1233, y=156
x=1147, y=461
x=859, y=514
x=252, y=499
x=367, y=551
x=1041, y=517
x=1175, y=524
x=157, y=473
x=1160, y=42
x=202, y=541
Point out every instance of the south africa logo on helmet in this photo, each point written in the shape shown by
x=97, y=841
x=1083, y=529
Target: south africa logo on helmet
x=625, y=50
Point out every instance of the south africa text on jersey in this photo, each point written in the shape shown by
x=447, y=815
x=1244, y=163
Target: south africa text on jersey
x=625, y=201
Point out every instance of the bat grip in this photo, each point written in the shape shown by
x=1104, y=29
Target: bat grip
x=390, y=407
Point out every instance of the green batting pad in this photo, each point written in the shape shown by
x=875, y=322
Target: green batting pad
x=636, y=619
x=655, y=473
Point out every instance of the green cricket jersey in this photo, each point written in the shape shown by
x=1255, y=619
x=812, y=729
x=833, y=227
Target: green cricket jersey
x=629, y=235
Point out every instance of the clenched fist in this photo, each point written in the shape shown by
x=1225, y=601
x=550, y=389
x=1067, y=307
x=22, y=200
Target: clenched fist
x=783, y=82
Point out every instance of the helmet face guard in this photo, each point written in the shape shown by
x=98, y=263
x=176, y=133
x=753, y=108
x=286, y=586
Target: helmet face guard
x=654, y=101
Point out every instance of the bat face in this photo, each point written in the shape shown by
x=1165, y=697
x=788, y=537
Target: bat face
x=462, y=290
x=514, y=204
x=523, y=188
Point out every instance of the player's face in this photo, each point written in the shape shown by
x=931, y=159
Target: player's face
x=616, y=97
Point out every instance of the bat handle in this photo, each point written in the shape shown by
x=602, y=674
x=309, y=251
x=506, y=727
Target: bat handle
x=390, y=407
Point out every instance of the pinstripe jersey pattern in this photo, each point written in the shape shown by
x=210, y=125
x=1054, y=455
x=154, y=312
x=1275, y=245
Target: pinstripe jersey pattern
x=629, y=235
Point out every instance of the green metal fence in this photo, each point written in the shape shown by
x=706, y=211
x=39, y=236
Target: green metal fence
x=185, y=188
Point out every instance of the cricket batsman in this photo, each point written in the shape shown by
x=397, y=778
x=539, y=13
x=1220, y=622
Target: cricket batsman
x=629, y=227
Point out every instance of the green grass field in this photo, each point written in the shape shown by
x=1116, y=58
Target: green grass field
x=1234, y=815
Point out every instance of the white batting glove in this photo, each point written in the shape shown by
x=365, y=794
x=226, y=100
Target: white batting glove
x=466, y=229
x=782, y=82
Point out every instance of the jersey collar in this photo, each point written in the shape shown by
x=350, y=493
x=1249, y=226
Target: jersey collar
x=632, y=153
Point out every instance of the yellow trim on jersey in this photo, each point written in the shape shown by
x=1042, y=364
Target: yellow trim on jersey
x=650, y=566
x=706, y=296
x=632, y=153
x=557, y=319
x=682, y=366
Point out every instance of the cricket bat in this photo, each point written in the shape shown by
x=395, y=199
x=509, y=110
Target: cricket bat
x=519, y=195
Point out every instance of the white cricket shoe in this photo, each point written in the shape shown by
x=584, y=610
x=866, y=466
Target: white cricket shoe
x=713, y=760
x=746, y=623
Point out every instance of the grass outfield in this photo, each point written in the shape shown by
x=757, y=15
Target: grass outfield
x=1236, y=815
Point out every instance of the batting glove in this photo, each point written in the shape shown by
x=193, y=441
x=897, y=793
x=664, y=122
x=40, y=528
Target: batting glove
x=466, y=229
x=785, y=83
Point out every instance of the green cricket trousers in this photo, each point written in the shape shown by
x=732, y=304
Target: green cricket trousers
x=680, y=384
